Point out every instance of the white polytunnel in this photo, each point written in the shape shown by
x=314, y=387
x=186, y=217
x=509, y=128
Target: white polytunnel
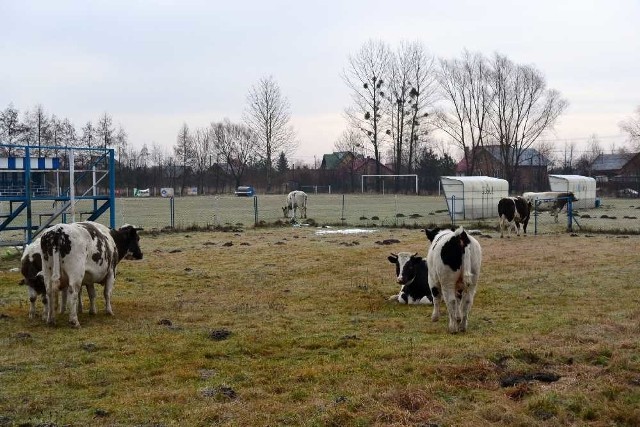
x=473, y=197
x=583, y=187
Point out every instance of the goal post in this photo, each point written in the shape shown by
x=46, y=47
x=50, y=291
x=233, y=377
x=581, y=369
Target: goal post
x=408, y=176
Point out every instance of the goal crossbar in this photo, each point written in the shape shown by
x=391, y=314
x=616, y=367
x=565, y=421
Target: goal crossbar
x=415, y=176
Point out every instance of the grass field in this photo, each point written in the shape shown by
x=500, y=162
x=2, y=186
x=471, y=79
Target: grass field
x=357, y=210
x=285, y=326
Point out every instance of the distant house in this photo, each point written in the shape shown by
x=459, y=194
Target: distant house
x=617, y=172
x=612, y=165
x=531, y=174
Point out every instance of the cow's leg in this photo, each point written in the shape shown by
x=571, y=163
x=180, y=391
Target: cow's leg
x=62, y=301
x=501, y=224
x=51, y=302
x=450, y=299
x=33, y=297
x=467, y=303
x=73, y=293
x=517, y=228
x=91, y=291
x=437, y=297
x=108, y=287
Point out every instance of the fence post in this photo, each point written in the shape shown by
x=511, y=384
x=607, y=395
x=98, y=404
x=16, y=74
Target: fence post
x=569, y=214
x=535, y=216
x=255, y=210
x=172, y=212
x=453, y=210
x=342, y=218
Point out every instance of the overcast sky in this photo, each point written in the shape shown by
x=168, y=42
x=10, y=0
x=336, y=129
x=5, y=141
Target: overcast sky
x=154, y=65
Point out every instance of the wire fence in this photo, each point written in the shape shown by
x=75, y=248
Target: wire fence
x=615, y=215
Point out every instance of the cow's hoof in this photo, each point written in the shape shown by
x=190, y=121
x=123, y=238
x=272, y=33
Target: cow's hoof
x=74, y=325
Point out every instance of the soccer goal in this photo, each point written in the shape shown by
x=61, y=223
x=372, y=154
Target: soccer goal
x=315, y=189
x=390, y=182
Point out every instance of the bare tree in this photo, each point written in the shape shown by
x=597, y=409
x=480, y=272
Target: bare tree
x=37, y=128
x=104, y=131
x=236, y=144
x=522, y=109
x=268, y=116
x=464, y=85
x=185, y=153
x=411, y=92
x=631, y=127
x=204, y=151
x=120, y=140
x=351, y=141
x=365, y=77
x=11, y=129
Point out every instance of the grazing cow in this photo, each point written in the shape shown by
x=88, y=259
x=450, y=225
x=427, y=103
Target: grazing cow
x=513, y=211
x=84, y=253
x=453, y=261
x=295, y=200
x=411, y=274
x=552, y=201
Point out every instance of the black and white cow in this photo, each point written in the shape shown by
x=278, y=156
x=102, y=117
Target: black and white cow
x=84, y=253
x=512, y=211
x=31, y=269
x=295, y=200
x=411, y=275
x=454, y=262
x=551, y=201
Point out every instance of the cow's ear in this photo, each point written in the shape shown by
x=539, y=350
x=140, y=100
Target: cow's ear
x=393, y=258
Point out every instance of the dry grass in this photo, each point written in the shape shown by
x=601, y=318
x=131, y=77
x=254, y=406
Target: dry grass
x=285, y=327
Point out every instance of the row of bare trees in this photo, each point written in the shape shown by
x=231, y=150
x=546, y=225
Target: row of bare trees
x=400, y=97
x=36, y=128
x=263, y=139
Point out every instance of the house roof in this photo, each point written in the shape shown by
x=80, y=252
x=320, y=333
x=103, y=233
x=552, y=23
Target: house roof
x=333, y=160
x=611, y=162
x=529, y=156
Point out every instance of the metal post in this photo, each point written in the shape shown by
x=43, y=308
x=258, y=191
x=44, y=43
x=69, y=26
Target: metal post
x=172, y=212
x=112, y=188
x=342, y=217
x=569, y=214
x=255, y=210
x=453, y=210
x=27, y=190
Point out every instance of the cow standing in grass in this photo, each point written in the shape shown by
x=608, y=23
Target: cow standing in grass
x=31, y=269
x=411, y=275
x=454, y=262
x=513, y=211
x=84, y=253
x=295, y=200
x=551, y=201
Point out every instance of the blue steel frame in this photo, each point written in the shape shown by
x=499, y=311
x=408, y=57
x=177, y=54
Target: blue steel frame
x=24, y=201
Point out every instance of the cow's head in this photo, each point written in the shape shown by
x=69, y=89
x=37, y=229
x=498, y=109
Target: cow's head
x=285, y=211
x=406, y=266
x=130, y=241
x=433, y=232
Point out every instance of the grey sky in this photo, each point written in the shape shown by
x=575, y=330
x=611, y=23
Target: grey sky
x=154, y=65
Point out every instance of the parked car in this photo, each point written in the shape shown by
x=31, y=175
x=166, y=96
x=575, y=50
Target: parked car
x=245, y=191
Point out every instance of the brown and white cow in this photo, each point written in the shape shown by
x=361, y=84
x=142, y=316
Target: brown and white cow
x=295, y=200
x=411, y=275
x=454, y=262
x=512, y=211
x=551, y=201
x=84, y=253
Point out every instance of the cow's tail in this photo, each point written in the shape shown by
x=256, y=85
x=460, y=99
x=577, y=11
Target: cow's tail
x=55, y=268
x=465, y=244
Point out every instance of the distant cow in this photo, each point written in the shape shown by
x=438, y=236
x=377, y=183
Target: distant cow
x=551, y=201
x=295, y=200
x=454, y=262
x=411, y=274
x=84, y=253
x=513, y=211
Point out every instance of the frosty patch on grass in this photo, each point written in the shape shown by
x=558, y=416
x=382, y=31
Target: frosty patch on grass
x=344, y=231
